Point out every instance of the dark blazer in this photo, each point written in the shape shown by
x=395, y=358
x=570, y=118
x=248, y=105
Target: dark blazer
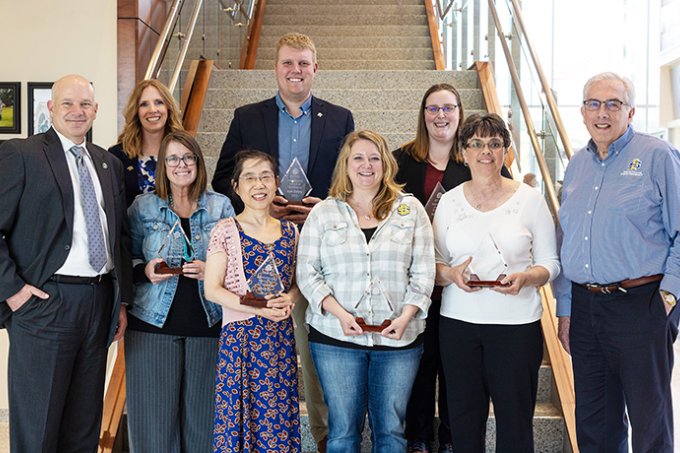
x=130, y=172
x=36, y=224
x=256, y=126
x=412, y=173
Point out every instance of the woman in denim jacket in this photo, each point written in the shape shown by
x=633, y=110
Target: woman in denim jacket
x=172, y=337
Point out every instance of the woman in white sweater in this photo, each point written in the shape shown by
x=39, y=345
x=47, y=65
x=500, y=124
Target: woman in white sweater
x=494, y=245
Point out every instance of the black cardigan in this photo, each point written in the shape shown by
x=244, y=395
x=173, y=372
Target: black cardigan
x=130, y=173
x=412, y=173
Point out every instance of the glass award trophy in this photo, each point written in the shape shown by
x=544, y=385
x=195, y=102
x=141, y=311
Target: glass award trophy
x=294, y=185
x=188, y=254
x=361, y=321
x=476, y=282
x=264, y=282
x=433, y=201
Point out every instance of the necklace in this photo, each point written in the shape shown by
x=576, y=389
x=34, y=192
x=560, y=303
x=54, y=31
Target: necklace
x=364, y=214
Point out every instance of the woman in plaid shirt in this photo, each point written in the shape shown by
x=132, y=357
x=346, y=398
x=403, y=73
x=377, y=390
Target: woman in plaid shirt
x=365, y=259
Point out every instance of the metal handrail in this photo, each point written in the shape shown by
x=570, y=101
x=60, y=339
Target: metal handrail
x=185, y=45
x=552, y=104
x=154, y=67
x=550, y=187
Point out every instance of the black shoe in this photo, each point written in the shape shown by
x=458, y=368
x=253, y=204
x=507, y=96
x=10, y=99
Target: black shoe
x=446, y=448
x=418, y=446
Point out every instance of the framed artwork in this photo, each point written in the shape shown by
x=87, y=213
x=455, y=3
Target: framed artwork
x=39, y=119
x=10, y=107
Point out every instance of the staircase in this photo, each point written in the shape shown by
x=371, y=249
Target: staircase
x=375, y=58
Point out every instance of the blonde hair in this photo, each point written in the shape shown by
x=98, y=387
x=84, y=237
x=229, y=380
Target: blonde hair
x=341, y=186
x=296, y=41
x=131, y=137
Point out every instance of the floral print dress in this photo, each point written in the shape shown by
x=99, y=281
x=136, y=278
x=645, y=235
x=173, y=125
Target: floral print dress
x=256, y=394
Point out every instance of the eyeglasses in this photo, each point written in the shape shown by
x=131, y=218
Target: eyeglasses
x=434, y=109
x=478, y=145
x=188, y=159
x=266, y=178
x=610, y=105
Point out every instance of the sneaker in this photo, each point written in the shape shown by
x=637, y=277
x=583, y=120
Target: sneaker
x=446, y=448
x=418, y=446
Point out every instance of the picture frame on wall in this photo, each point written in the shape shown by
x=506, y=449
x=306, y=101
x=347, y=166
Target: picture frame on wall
x=39, y=119
x=10, y=107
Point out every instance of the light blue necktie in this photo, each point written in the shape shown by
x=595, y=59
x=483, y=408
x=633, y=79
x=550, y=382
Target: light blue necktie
x=96, y=250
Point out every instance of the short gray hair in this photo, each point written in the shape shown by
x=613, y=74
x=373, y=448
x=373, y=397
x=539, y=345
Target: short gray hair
x=629, y=88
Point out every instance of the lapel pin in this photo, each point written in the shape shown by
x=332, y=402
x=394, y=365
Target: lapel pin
x=104, y=165
x=319, y=114
x=130, y=168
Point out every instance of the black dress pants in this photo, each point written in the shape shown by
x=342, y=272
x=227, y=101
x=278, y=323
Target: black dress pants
x=622, y=353
x=420, y=411
x=57, y=366
x=491, y=361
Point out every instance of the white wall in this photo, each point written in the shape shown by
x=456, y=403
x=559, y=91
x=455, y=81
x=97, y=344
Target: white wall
x=45, y=39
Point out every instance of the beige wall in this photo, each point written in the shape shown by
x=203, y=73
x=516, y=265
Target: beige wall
x=44, y=39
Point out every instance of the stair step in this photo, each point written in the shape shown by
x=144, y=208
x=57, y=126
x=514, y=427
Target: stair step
x=353, y=99
x=314, y=31
x=548, y=431
x=348, y=79
x=383, y=121
x=343, y=52
x=304, y=11
x=344, y=19
x=346, y=2
x=325, y=43
x=362, y=64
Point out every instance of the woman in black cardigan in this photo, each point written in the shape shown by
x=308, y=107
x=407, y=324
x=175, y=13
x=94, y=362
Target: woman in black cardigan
x=150, y=114
x=432, y=157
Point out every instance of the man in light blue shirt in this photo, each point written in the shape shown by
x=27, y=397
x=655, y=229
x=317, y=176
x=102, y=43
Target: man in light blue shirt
x=620, y=255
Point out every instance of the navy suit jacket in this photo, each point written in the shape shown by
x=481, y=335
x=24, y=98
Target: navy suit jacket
x=36, y=224
x=256, y=126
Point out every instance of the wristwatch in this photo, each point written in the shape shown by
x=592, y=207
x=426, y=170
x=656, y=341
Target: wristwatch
x=668, y=298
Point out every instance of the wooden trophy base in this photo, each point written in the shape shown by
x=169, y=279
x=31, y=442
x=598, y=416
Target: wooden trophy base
x=372, y=328
x=163, y=269
x=251, y=300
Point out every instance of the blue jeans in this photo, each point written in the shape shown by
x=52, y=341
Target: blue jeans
x=355, y=380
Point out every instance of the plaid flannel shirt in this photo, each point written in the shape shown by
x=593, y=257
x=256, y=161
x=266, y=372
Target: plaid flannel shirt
x=373, y=280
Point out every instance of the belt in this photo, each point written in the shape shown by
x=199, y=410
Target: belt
x=74, y=280
x=622, y=285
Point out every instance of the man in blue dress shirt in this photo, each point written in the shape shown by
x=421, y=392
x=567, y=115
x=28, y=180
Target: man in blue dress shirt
x=620, y=254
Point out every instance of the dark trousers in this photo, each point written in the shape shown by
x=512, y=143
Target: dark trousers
x=420, y=411
x=495, y=361
x=622, y=353
x=57, y=366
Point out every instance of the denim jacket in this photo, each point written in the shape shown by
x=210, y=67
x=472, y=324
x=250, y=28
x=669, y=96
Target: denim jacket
x=150, y=221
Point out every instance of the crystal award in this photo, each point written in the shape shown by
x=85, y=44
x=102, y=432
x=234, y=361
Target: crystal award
x=188, y=254
x=433, y=201
x=264, y=282
x=361, y=321
x=294, y=185
x=476, y=282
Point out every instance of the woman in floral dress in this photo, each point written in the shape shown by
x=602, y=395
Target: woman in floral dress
x=256, y=395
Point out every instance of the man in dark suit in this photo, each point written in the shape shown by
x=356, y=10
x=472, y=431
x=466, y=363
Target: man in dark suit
x=293, y=124
x=64, y=272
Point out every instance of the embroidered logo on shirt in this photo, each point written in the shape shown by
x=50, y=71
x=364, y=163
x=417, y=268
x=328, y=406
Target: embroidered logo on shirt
x=403, y=209
x=633, y=168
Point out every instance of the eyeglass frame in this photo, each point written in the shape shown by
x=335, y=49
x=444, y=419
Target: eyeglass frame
x=182, y=159
x=485, y=144
x=617, y=105
x=252, y=179
x=451, y=108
